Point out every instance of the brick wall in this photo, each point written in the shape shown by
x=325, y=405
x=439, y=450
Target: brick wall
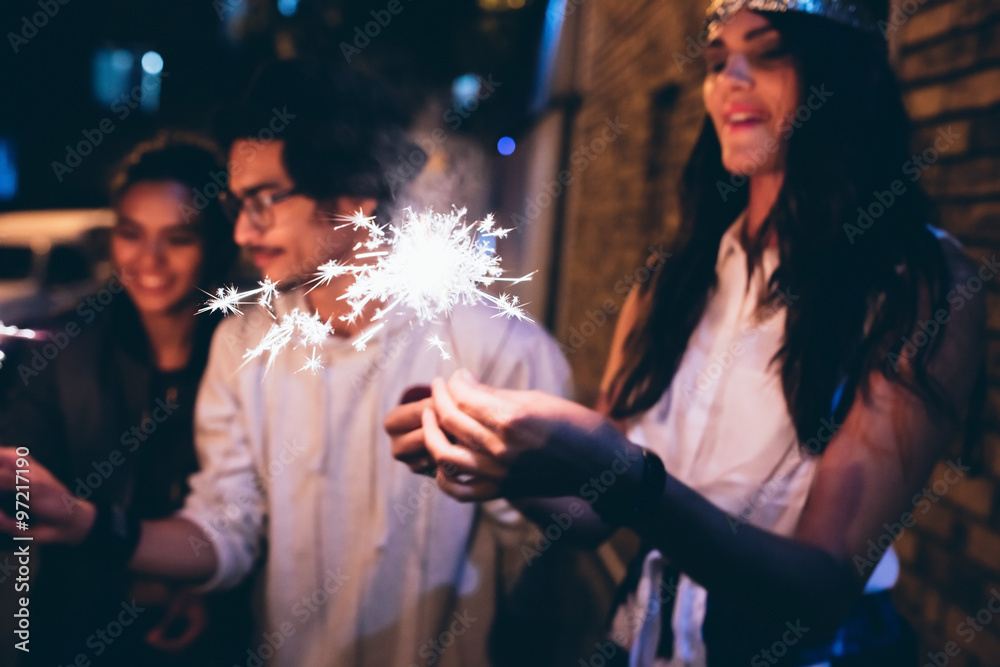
x=947, y=54
x=948, y=61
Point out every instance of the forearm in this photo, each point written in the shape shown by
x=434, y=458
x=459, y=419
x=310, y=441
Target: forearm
x=575, y=517
x=750, y=568
x=174, y=548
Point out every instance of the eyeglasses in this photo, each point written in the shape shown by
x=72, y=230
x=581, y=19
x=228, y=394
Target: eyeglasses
x=259, y=206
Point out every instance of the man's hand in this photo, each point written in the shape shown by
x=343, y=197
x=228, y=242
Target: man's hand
x=406, y=432
x=55, y=515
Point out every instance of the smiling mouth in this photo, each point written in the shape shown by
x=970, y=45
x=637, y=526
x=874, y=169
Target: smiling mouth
x=151, y=283
x=744, y=120
x=262, y=254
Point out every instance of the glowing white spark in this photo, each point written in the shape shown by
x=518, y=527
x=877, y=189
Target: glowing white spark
x=16, y=332
x=432, y=262
x=436, y=342
x=228, y=300
x=312, y=363
x=428, y=264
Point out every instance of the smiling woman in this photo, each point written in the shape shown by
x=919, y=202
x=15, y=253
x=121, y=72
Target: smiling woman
x=112, y=416
x=760, y=375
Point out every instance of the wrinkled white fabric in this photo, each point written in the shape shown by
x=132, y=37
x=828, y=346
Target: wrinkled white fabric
x=367, y=564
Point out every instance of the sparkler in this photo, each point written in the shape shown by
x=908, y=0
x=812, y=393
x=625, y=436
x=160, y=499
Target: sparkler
x=10, y=331
x=426, y=265
x=16, y=332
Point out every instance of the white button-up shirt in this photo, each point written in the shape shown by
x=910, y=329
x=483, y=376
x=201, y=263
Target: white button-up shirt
x=723, y=429
x=367, y=563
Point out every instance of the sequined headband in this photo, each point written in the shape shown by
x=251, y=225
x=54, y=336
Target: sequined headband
x=847, y=12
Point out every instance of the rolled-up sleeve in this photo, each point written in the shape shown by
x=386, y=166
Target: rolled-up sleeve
x=227, y=500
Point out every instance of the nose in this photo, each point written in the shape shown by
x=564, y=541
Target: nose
x=737, y=70
x=153, y=254
x=244, y=231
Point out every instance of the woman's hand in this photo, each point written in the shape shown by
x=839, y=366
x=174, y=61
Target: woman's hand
x=183, y=623
x=53, y=513
x=522, y=444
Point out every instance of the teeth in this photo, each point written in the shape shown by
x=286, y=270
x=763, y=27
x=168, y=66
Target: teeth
x=743, y=117
x=152, y=283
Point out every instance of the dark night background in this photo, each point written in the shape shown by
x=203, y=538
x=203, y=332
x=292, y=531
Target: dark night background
x=210, y=50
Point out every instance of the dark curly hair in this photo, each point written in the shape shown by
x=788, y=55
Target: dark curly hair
x=342, y=131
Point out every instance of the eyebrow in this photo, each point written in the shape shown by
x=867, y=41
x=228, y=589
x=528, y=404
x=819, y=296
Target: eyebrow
x=753, y=34
x=248, y=192
x=125, y=220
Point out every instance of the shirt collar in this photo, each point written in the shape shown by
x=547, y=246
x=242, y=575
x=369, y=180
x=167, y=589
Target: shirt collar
x=731, y=248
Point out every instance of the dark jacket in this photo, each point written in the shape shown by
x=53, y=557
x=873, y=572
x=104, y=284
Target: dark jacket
x=91, y=406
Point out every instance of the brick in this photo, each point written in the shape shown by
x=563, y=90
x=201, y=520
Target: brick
x=972, y=178
x=986, y=645
x=938, y=521
x=928, y=22
x=973, y=495
x=926, y=136
x=973, y=91
x=906, y=547
x=991, y=441
x=991, y=412
x=993, y=307
x=981, y=220
x=983, y=546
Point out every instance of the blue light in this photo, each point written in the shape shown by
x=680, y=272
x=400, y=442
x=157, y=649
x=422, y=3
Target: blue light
x=288, y=7
x=8, y=170
x=506, y=146
x=152, y=62
x=465, y=88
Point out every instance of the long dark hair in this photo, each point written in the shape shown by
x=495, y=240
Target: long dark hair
x=855, y=144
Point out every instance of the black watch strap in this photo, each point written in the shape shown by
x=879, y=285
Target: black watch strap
x=114, y=537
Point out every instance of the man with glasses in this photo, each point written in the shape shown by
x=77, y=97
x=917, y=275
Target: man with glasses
x=366, y=563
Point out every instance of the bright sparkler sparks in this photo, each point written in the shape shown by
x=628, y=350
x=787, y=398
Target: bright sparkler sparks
x=427, y=265
x=15, y=332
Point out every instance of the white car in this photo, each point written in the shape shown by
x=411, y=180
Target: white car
x=50, y=261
